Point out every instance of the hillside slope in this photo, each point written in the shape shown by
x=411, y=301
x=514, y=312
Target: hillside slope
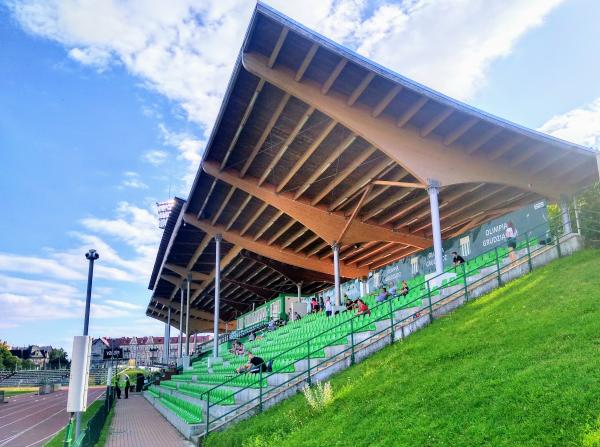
x=518, y=367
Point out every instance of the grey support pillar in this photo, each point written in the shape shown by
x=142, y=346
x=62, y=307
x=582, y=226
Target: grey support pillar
x=336, y=272
x=363, y=287
x=218, y=239
x=167, y=341
x=299, y=287
x=433, y=189
x=566, y=218
x=180, y=342
x=187, y=316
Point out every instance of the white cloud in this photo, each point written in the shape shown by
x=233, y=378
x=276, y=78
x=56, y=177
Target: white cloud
x=190, y=151
x=155, y=158
x=123, y=304
x=185, y=49
x=581, y=125
x=37, y=266
x=132, y=180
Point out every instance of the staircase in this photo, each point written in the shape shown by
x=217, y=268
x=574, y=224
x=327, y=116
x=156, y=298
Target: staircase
x=223, y=399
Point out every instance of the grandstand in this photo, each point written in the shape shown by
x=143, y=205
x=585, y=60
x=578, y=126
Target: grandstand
x=324, y=169
x=35, y=377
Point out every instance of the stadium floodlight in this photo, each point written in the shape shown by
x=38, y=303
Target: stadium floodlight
x=164, y=209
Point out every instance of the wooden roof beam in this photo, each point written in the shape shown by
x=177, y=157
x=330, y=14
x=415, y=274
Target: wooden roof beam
x=237, y=213
x=460, y=131
x=424, y=160
x=306, y=243
x=484, y=138
x=540, y=167
x=392, y=257
x=411, y=111
x=281, y=231
x=267, y=130
x=334, y=155
x=273, y=252
x=294, y=237
x=208, y=194
x=333, y=76
x=504, y=148
x=268, y=225
x=385, y=101
x=525, y=155
x=224, y=203
x=381, y=253
x=360, y=88
x=247, y=113
x=284, y=147
x=395, y=198
x=277, y=49
x=310, y=54
x=225, y=261
x=327, y=225
x=379, y=169
x=436, y=121
x=343, y=175
x=254, y=216
x=306, y=154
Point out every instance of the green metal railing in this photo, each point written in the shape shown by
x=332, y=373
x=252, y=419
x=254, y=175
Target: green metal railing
x=91, y=433
x=358, y=324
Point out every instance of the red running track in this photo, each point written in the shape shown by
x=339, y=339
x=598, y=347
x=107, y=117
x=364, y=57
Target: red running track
x=31, y=420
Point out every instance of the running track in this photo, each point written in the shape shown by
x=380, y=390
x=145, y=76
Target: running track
x=31, y=420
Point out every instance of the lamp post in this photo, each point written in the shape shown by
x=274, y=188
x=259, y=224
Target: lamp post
x=91, y=256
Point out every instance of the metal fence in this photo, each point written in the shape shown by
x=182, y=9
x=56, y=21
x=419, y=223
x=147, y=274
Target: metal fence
x=91, y=433
x=432, y=303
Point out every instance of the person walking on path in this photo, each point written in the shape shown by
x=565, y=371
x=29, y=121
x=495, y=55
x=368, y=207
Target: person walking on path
x=127, y=385
x=117, y=387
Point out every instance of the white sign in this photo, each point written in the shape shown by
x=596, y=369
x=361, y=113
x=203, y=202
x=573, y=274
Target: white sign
x=80, y=373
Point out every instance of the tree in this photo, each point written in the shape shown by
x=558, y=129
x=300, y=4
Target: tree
x=58, y=359
x=7, y=360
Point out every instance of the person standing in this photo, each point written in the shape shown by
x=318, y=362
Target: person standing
x=127, y=385
x=511, y=240
x=117, y=387
x=328, y=307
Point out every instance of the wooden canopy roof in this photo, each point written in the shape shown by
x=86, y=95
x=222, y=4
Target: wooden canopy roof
x=316, y=145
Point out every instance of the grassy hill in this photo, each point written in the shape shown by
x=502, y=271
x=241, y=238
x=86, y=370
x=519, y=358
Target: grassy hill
x=518, y=367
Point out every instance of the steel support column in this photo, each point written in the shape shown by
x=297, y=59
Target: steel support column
x=218, y=239
x=566, y=218
x=180, y=341
x=187, y=316
x=336, y=271
x=433, y=189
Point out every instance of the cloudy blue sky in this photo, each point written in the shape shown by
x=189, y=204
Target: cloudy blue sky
x=105, y=107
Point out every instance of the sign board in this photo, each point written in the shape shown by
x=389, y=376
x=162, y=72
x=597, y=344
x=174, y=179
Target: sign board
x=113, y=353
x=80, y=373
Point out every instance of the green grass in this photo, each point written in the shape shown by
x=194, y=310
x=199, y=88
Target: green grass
x=518, y=367
x=105, y=430
x=14, y=391
x=59, y=439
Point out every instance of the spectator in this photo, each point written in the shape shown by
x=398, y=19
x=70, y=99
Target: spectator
x=405, y=288
x=511, y=240
x=457, y=259
x=382, y=296
x=127, y=385
x=255, y=364
x=363, y=309
x=271, y=326
x=349, y=303
x=328, y=307
x=314, y=305
x=239, y=349
x=297, y=316
x=393, y=290
x=251, y=337
x=117, y=387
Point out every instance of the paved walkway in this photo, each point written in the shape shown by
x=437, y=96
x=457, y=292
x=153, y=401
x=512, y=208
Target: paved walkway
x=136, y=423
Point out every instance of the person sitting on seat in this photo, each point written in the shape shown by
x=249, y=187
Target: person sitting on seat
x=363, y=309
x=405, y=288
x=457, y=259
x=239, y=349
x=251, y=337
x=297, y=316
x=271, y=326
x=393, y=290
x=255, y=365
x=382, y=296
x=349, y=304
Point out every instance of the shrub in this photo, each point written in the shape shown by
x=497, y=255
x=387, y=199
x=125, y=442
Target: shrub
x=318, y=396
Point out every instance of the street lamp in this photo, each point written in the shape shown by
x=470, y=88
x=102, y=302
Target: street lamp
x=91, y=256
